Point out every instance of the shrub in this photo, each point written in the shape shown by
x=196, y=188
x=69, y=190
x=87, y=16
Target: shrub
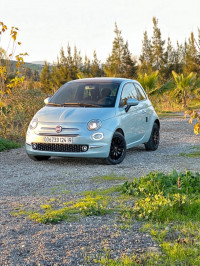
x=165, y=197
x=17, y=111
x=155, y=183
x=7, y=144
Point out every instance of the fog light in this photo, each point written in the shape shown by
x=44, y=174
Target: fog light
x=84, y=148
x=34, y=146
x=97, y=136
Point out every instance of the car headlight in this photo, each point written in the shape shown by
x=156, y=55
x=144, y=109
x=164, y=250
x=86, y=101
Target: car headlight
x=33, y=123
x=94, y=124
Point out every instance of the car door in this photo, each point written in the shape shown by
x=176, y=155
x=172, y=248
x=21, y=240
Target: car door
x=143, y=107
x=131, y=121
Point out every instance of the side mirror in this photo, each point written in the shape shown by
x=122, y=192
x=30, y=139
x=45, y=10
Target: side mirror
x=131, y=102
x=47, y=100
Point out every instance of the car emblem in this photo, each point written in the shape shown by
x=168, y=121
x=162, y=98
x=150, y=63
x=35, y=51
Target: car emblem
x=58, y=129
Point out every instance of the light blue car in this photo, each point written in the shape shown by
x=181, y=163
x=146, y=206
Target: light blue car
x=94, y=118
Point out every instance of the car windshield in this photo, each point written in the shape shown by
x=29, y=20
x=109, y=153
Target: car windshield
x=79, y=94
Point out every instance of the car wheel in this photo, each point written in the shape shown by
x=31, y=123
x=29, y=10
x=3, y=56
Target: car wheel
x=154, y=139
x=117, y=149
x=38, y=158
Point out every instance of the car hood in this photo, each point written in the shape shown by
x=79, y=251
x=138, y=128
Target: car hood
x=73, y=115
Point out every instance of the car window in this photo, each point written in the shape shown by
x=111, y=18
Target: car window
x=128, y=92
x=141, y=94
x=86, y=94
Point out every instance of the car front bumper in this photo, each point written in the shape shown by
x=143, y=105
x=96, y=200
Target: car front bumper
x=96, y=148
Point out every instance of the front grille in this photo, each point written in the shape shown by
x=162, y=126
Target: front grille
x=59, y=147
x=58, y=135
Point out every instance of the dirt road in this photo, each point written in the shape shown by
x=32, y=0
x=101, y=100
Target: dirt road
x=28, y=183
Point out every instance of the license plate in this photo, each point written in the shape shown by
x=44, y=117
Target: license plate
x=60, y=140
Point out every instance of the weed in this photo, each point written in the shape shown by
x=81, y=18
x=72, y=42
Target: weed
x=156, y=183
x=59, y=189
x=168, y=205
x=111, y=177
x=102, y=192
x=7, y=145
x=191, y=154
x=19, y=108
x=51, y=213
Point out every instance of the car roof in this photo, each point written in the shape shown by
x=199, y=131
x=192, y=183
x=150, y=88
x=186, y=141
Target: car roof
x=101, y=80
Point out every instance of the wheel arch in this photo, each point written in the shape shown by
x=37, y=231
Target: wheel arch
x=120, y=131
x=157, y=122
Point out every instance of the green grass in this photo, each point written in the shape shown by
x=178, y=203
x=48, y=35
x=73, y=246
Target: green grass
x=156, y=183
x=193, y=154
x=59, y=189
x=166, y=114
x=7, y=145
x=102, y=192
x=54, y=212
x=167, y=205
x=111, y=177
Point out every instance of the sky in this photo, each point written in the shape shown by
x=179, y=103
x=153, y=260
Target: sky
x=47, y=25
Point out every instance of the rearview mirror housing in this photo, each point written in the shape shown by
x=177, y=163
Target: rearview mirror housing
x=131, y=102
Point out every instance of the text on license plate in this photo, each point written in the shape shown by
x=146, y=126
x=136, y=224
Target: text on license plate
x=62, y=140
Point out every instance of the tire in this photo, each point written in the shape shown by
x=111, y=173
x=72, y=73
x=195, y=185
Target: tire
x=38, y=158
x=154, y=139
x=117, y=149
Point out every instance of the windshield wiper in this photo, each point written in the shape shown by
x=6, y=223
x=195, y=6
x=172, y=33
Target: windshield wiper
x=55, y=104
x=89, y=105
x=81, y=104
x=65, y=104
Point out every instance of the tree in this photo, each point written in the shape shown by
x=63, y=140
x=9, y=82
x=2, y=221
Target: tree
x=96, y=67
x=129, y=68
x=77, y=64
x=192, y=62
x=70, y=64
x=28, y=73
x=55, y=78
x=186, y=85
x=148, y=82
x=193, y=113
x=9, y=79
x=179, y=57
x=86, y=70
x=151, y=85
x=114, y=61
x=119, y=63
x=45, y=78
x=170, y=60
x=63, y=71
x=36, y=75
x=146, y=56
x=157, y=47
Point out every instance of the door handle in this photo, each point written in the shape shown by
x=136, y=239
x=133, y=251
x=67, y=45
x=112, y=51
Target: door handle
x=143, y=112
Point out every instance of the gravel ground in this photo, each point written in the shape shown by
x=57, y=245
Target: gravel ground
x=22, y=181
